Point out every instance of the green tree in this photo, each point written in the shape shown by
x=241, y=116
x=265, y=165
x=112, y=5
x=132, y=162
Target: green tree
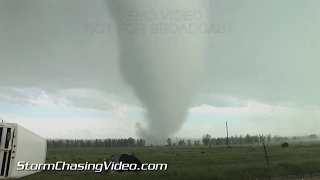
x=206, y=139
x=189, y=142
x=181, y=142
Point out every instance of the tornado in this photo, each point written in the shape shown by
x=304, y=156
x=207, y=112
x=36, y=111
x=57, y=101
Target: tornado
x=162, y=48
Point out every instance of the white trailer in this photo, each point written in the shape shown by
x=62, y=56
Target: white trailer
x=19, y=144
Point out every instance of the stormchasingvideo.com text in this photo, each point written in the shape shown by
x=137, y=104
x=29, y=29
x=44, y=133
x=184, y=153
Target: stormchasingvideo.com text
x=96, y=167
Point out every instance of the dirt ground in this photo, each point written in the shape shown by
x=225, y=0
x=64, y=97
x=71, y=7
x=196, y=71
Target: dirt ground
x=304, y=177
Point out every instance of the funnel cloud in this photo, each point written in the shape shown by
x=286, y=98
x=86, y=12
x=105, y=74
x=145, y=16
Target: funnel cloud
x=163, y=67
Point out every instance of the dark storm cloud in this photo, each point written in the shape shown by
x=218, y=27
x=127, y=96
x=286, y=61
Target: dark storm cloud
x=271, y=54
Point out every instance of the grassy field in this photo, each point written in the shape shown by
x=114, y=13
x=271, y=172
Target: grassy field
x=198, y=163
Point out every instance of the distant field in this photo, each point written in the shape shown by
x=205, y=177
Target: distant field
x=198, y=163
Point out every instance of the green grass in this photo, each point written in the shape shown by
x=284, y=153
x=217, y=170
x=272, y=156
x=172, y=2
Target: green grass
x=198, y=163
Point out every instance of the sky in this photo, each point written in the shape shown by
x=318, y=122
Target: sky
x=61, y=80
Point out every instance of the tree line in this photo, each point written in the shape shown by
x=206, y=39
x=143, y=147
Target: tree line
x=248, y=139
x=206, y=140
x=62, y=143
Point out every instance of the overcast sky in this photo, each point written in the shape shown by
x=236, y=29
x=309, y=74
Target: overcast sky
x=61, y=81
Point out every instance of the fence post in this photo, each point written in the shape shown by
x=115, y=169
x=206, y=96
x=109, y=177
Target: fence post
x=265, y=151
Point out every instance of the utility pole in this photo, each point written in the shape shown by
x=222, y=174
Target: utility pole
x=227, y=133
